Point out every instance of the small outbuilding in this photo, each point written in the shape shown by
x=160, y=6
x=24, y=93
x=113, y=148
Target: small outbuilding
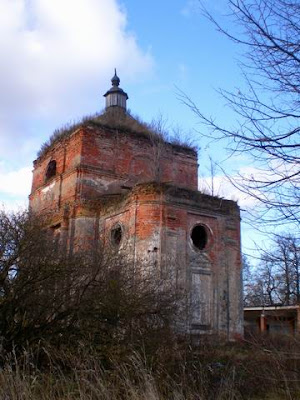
x=272, y=320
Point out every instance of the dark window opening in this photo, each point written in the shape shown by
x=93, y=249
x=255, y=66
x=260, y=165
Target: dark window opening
x=116, y=235
x=51, y=170
x=199, y=237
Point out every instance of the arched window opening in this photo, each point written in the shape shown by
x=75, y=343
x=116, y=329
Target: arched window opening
x=51, y=170
x=116, y=235
x=199, y=237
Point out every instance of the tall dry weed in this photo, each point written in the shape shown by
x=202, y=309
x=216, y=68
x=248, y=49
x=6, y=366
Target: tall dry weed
x=209, y=371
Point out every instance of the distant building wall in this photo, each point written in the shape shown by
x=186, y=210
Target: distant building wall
x=272, y=320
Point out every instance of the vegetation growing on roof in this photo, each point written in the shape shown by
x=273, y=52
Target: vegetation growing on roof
x=127, y=122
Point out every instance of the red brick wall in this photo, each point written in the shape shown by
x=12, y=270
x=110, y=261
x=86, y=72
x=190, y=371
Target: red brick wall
x=156, y=219
x=67, y=154
x=93, y=161
x=132, y=158
x=213, y=275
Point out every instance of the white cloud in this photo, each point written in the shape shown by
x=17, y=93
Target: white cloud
x=16, y=183
x=56, y=61
x=250, y=177
x=56, y=57
x=14, y=187
x=223, y=187
x=14, y=204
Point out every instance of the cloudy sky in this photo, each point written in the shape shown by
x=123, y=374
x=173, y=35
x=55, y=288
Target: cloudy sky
x=57, y=59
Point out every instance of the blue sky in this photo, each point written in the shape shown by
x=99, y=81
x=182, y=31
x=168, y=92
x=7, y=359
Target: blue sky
x=57, y=59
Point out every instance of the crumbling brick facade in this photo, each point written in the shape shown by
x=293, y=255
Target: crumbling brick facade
x=135, y=191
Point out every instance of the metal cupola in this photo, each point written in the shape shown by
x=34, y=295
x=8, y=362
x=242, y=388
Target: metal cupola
x=115, y=96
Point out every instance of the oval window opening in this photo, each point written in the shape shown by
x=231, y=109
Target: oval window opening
x=199, y=237
x=116, y=235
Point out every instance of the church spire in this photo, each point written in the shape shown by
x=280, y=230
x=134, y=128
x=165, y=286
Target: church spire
x=115, y=80
x=115, y=96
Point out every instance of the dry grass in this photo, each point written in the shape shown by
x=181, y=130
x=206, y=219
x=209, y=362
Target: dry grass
x=120, y=121
x=218, y=371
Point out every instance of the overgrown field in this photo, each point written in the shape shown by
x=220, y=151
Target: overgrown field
x=212, y=369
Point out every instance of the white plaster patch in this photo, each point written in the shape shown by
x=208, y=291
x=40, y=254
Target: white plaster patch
x=48, y=188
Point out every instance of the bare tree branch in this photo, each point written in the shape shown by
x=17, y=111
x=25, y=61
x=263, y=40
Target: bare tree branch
x=268, y=128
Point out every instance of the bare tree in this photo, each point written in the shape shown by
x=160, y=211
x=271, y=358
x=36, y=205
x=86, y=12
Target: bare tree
x=284, y=258
x=277, y=279
x=249, y=283
x=209, y=184
x=91, y=296
x=268, y=110
x=159, y=142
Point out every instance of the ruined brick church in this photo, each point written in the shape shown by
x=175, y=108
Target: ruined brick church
x=111, y=178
